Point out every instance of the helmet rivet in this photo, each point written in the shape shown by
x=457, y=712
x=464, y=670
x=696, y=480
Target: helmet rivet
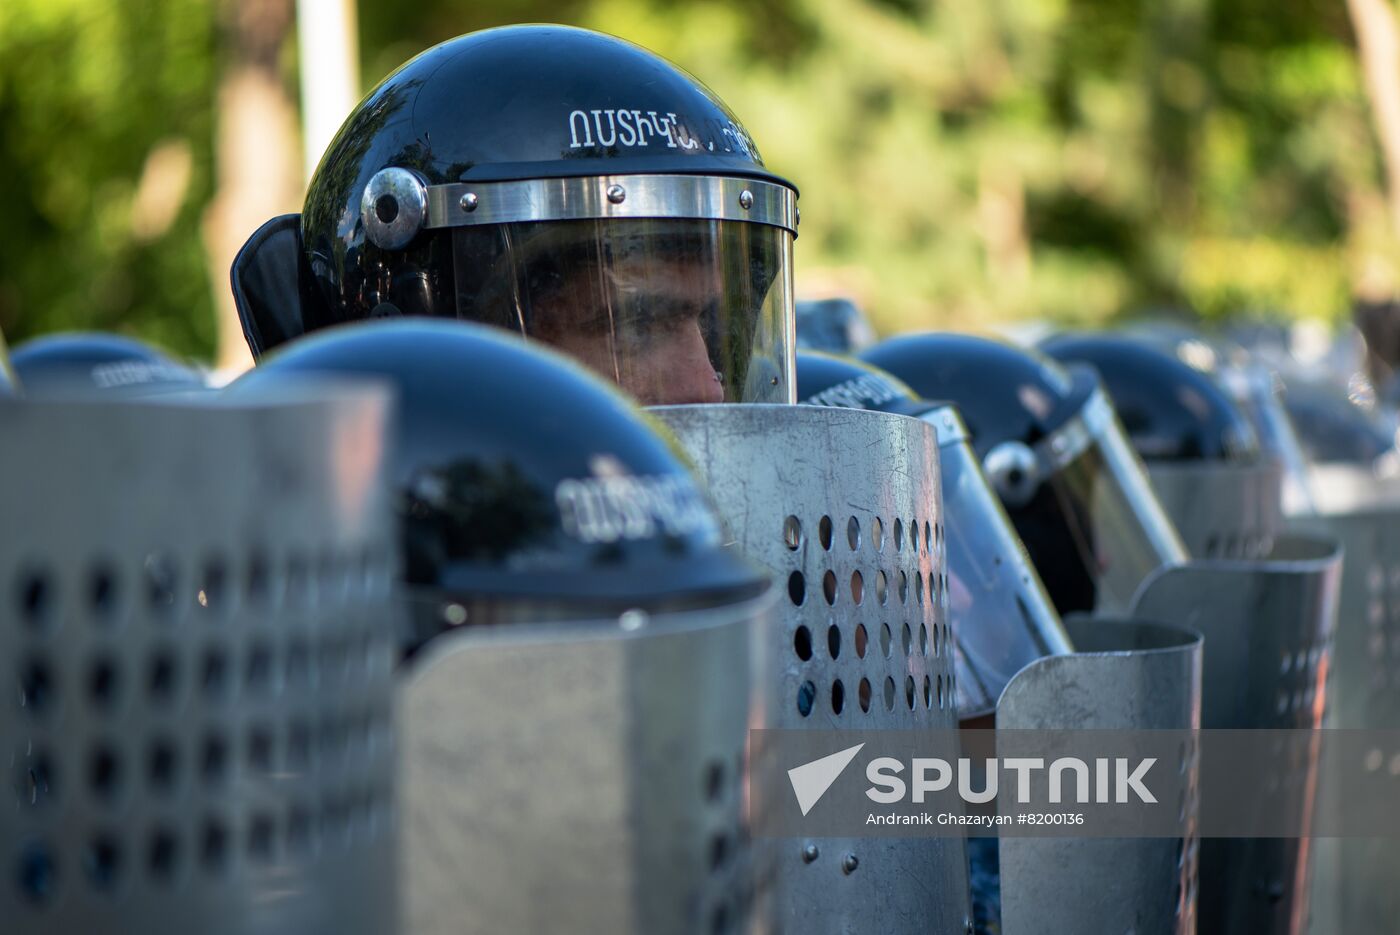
x=469, y=201
x=617, y=194
x=632, y=620
x=809, y=853
x=746, y=199
x=849, y=863
x=455, y=614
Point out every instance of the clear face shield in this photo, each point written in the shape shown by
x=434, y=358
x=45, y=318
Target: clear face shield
x=1085, y=508
x=677, y=288
x=1001, y=616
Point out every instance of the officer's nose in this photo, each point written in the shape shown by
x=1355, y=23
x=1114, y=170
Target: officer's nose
x=684, y=373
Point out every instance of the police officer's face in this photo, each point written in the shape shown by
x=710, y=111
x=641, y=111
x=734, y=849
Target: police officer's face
x=647, y=334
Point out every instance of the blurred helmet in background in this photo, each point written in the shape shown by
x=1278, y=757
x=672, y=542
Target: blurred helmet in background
x=1171, y=411
x=837, y=326
x=1053, y=450
x=94, y=364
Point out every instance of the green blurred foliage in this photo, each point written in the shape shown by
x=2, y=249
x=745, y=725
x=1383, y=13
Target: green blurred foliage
x=106, y=152
x=960, y=164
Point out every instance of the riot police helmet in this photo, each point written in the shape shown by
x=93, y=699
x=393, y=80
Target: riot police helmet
x=1172, y=411
x=559, y=183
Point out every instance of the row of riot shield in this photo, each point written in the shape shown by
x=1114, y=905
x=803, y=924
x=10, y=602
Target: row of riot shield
x=198, y=621
x=1262, y=597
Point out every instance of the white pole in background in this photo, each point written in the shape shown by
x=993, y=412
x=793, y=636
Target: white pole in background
x=330, y=79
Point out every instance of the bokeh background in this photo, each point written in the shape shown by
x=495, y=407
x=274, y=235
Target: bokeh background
x=964, y=163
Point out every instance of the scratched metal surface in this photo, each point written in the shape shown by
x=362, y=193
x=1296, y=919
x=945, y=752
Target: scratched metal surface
x=844, y=507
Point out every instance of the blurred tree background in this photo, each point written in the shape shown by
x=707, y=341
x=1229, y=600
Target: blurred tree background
x=961, y=164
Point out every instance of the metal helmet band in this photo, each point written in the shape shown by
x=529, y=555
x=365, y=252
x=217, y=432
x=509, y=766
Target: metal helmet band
x=397, y=204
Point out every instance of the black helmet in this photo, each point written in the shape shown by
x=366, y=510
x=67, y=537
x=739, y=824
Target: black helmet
x=834, y=325
x=1053, y=450
x=527, y=489
x=83, y=364
x=560, y=183
x=831, y=380
x=1172, y=412
x=1002, y=617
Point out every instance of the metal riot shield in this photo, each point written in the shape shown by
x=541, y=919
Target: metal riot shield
x=1354, y=878
x=197, y=628
x=1268, y=628
x=1129, y=675
x=584, y=776
x=844, y=507
x=1221, y=510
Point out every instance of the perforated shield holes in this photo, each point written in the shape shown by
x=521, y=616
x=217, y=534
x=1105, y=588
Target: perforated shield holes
x=151, y=771
x=868, y=483
x=1222, y=511
x=1255, y=612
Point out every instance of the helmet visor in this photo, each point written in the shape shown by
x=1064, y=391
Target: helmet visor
x=1002, y=618
x=673, y=311
x=1113, y=522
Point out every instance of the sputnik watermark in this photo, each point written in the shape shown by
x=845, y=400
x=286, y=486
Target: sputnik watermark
x=1082, y=783
x=1112, y=778
x=1113, y=781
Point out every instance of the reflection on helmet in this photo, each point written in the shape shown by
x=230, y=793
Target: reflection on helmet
x=566, y=504
x=92, y=364
x=1050, y=443
x=1001, y=616
x=560, y=183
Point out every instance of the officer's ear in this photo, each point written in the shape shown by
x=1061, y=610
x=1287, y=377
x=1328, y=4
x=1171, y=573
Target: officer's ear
x=272, y=285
